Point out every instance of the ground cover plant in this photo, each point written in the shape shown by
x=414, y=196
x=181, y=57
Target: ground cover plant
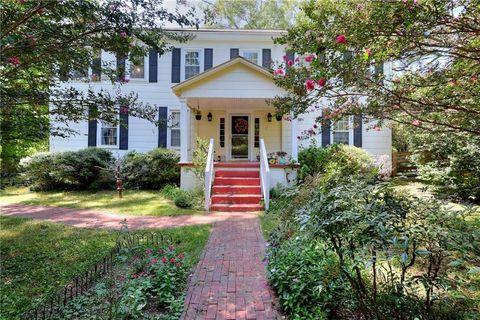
x=134, y=202
x=351, y=247
x=39, y=257
x=148, y=282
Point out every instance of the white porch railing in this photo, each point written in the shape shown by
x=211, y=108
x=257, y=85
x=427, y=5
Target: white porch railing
x=264, y=174
x=209, y=176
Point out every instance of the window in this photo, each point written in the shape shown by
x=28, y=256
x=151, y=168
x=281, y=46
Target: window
x=108, y=134
x=96, y=67
x=137, y=69
x=251, y=55
x=257, y=133
x=175, y=129
x=192, y=63
x=341, y=131
x=222, y=132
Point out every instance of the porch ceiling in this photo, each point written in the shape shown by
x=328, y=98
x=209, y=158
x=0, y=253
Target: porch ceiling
x=228, y=104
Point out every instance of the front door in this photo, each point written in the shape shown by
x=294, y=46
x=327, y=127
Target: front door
x=240, y=127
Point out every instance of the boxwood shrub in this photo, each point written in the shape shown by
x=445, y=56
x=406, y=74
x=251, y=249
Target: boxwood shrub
x=72, y=170
x=152, y=170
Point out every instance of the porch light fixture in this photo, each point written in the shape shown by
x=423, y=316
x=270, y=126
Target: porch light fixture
x=269, y=117
x=209, y=117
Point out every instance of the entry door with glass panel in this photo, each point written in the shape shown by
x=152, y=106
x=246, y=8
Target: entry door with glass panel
x=240, y=137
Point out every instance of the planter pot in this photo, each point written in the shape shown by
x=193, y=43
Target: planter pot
x=282, y=161
x=198, y=117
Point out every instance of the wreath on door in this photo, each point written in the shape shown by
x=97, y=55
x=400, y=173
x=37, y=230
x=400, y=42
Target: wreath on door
x=241, y=125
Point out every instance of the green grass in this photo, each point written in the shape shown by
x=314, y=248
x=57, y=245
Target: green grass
x=135, y=202
x=38, y=258
x=268, y=222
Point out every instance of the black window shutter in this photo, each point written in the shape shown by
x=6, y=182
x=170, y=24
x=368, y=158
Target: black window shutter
x=121, y=66
x=153, y=66
x=326, y=133
x=266, y=58
x=234, y=53
x=357, y=130
x=123, y=145
x=176, y=57
x=162, y=127
x=92, y=126
x=207, y=59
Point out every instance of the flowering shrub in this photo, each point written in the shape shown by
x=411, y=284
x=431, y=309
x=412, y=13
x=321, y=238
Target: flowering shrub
x=148, y=283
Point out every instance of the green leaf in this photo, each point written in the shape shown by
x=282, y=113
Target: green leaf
x=474, y=270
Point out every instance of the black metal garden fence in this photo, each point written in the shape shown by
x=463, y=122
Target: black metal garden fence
x=85, y=281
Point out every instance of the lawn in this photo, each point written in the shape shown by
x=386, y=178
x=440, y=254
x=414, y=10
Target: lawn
x=39, y=257
x=134, y=202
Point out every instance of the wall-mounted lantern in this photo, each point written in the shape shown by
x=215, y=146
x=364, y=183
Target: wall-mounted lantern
x=209, y=117
x=269, y=117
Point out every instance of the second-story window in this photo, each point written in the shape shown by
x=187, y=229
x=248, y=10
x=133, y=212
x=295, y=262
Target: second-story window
x=341, y=131
x=137, y=69
x=251, y=55
x=192, y=63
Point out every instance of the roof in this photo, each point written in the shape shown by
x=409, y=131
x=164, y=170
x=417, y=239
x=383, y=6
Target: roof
x=177, y=89
x=227, y=30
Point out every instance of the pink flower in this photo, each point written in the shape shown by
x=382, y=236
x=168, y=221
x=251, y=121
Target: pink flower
x=160, y=251
x=368, y=51
x=416, y=122
x=377, y=128
x=290, y=63
x=279, y=72
x=123, y=34
x=285, y=57
x=341, y=39
x=172, y=260
x=179, y=265
x=14, y=60
x=180, y=256
x=148, y=251
x=309, y=85
x=309, y=58
x=154, y=261
x=322, y=82
x=164, y=260
x=124, y=80
x=297, y=59
x=171, y=248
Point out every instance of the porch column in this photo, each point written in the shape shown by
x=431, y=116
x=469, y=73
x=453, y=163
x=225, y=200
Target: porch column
x=294, y=133
x=184, y=130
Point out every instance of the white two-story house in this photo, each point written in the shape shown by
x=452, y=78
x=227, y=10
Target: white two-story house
x=215, y=87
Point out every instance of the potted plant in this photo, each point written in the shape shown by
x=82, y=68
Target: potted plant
x=281, y=156
x=198, y=115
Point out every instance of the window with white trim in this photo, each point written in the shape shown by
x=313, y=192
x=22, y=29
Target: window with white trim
x=341, y=131
x=137, y=69
x=108, y=134
x=251, y=55
x=192, y=63
x=175, y=129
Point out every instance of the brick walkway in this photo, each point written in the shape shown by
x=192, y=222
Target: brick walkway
x=229, y=282
x=93, y=219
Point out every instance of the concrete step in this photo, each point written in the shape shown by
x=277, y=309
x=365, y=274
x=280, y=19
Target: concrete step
x=236, y=207
x=229, y=181
x=236, y=198
x=236, y=190
x=237, y=174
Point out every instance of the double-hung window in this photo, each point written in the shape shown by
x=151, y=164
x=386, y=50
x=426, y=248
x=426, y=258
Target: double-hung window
x=341, y=131
x=175, y=129
x=137, y=69
x=251, y=55
x=108, y=134
x=192, y=63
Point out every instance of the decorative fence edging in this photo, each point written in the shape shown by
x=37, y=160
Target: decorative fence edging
x=85, y=281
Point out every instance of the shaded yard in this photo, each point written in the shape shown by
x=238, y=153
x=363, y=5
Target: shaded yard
x=38, y=258
x=134, y=202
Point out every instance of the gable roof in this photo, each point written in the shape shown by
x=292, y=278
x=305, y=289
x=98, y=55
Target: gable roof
x=178, y=88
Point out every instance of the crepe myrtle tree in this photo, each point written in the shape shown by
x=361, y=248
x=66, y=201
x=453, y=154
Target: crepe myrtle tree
x=45, y=41
x=432, y=46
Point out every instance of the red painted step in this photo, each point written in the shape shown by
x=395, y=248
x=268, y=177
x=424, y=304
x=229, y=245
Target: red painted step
x=236, y=198
x=236, y=190
x=239, y=164
x=236, y=181
x=237, y=174
x=236, y=207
